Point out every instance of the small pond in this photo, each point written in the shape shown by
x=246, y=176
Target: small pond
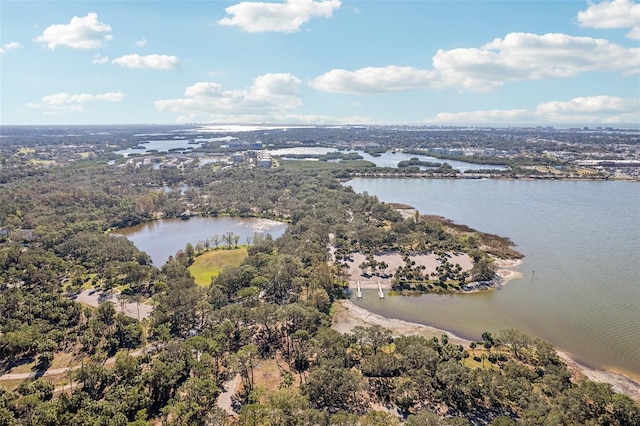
x=164, y=237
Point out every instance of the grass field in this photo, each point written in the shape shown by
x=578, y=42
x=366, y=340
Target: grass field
x=211, y=263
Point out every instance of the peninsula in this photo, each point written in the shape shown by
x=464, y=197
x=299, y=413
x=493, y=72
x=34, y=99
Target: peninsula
x=167, y=350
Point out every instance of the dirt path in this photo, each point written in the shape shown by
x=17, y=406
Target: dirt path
x=92, y=298
x=225, y=399
x=57, y=371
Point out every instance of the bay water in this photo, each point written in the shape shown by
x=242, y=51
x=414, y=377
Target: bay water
x=578, y=285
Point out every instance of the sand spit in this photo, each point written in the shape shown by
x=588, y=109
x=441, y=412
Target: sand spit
x=347, y=316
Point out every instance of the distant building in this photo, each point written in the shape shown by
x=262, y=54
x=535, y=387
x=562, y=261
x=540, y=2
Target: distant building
x=244, y=145
x=609, y=163
x=264, y=160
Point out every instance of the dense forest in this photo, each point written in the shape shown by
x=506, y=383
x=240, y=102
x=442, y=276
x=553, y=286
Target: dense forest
x=266, y=322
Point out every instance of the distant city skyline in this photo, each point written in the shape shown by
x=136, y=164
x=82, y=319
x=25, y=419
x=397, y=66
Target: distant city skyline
x=474, y=62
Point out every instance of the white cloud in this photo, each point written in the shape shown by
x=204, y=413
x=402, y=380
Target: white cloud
x=63, y=102
x=269, y=96
x=80, y=33
x=156, y=62
x=589, y=109
x=524, y=56
x=65, y=98
x=613, y=14
x=142, y=42
x=373, y=80
x=517, y=56
x=204, y=89
x=99, y=59
x=287, y=17
x=9, y=46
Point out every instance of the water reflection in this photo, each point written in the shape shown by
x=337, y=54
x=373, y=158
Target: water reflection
x=163, y=238
x=387, y=159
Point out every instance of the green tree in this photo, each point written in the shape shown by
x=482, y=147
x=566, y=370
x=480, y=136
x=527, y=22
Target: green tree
x=515, y=340
x=193, y=402
x=286, y=405
x=190, y=251
x=336, y=389
x=373, y=336
x=243, y=363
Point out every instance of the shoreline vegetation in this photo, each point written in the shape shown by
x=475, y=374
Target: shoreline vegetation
x=476, y=262
x=505, y=168
x=348, y=315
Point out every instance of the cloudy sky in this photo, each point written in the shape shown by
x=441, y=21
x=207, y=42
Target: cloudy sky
x=421, y=62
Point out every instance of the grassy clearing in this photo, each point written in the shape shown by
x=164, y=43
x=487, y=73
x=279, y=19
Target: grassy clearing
x=11, y=384
x=27, y=367
x=267, y=375
x=483, y=363
x=62, y=360
x=37, y=162
x=211, y=263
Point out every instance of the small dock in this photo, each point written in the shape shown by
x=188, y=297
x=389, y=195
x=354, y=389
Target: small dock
x=380, y=292
x=359, y=293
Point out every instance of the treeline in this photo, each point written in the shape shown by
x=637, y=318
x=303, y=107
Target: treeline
x=271, y=312
x=204, y=337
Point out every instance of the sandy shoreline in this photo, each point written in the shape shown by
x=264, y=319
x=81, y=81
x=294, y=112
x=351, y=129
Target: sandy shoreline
x=348, y=315
x=506, y=269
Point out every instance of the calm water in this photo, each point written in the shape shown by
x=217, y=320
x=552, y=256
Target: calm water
x=582, y=239
x=163, y=238
x=387, y=159
x=160, y=146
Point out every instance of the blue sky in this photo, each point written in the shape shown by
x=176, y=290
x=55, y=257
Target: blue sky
x=557, y=62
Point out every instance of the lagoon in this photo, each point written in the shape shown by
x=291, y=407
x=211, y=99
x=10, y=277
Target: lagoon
x=579, y=284
x=387, y=159
x=164, y=237
x=163, y=145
